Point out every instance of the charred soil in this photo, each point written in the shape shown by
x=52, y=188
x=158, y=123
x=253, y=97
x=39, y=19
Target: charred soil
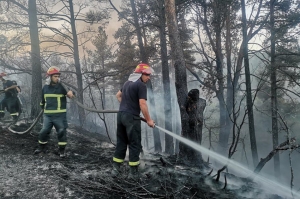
x=85, y=172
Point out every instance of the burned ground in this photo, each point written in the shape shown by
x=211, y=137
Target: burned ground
x=85, y=172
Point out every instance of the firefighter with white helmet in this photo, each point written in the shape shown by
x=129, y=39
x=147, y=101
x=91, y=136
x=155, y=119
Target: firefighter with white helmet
x=54, y=103
x=132, y=97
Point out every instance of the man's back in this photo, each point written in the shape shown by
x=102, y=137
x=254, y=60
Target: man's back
x=131, y=93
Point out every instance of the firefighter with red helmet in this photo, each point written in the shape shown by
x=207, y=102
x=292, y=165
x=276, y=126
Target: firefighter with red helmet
x=132, y=97
x=54, y=103
x=10, y=101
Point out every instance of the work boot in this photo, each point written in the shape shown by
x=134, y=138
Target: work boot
x=15, y=117
x=61, y=151
x=133, y=173
x=116, y=170
x=40, y=149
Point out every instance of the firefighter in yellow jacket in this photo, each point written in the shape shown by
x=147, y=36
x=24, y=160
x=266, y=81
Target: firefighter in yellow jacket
x=54, y=103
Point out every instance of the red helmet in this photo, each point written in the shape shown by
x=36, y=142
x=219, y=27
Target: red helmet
x=143, y=68
x=53, y=70
x=2, y=74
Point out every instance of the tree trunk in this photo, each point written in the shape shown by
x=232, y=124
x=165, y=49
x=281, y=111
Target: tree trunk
x=224, y=115
x=77, y=63
x=230, y=95
x=144, y=59
x=169, y=141
x=248, y=89
x=195, y=108
x=274, y=91
x=201, y=107
x=36, y=94
x=180, y=69
x=103, y=87
x=156, y=136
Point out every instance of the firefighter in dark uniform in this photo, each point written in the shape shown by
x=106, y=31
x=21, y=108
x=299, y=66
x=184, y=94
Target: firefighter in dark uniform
x=132, y=98
x=54, y=103
x=10, y=101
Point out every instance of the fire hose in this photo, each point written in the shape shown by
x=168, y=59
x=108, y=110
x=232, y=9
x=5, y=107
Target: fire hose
x=31, y=126
x=77, y=102
x=41, y=113
x=19, y=112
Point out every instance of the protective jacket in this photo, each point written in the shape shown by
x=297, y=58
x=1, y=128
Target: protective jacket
x=54, y=103
x=54, y=99
x=10, y=101
x=11, y=92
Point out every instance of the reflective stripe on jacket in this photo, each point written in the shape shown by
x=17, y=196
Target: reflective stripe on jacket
x=54, y=99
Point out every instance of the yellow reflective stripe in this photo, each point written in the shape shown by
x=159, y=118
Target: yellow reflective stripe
x=58, y=103
x=55, y=111
x=42, y=142
x=118, y=160
x=1, y=111
x=58, y=110
x=14, y=114
x=53, y=95
x=134, y=163
x=62, y=143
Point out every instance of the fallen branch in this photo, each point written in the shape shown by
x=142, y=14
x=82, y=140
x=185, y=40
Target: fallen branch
x=280, y=147
x=219, y=172
x=225, y=185
x=165, y=162
x=209, y=173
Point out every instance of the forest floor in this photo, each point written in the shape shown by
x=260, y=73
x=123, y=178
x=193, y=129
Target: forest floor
x=85, y=173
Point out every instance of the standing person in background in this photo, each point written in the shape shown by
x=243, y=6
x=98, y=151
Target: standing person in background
x=132, y=98
x=54, y=103
x=10, y=101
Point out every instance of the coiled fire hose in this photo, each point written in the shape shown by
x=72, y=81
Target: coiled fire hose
x=31, y=126
x=78, y=103
x=41, y=113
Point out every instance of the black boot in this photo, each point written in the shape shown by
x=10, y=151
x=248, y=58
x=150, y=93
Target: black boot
x=40, y=149
x=61, y=151
x=133, y=173
x=116, y=169
x=15, y=117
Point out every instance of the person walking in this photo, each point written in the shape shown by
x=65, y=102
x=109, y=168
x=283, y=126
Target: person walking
x=54, y=103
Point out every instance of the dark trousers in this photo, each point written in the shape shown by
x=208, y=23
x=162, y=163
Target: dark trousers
x=11, y=104
x=128, y=133
x=59, y=121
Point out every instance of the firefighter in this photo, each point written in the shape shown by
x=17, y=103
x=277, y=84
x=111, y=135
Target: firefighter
x=54, y=103
x=10, y=101
x=132, y=97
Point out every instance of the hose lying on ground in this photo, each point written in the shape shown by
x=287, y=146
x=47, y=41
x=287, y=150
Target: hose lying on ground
x=41, y=113
x=31, y=126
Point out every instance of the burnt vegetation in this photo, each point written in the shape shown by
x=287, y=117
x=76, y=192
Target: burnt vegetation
x=237, y=60
x=85, y=172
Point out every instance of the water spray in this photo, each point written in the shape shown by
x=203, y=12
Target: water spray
x=271, y=186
